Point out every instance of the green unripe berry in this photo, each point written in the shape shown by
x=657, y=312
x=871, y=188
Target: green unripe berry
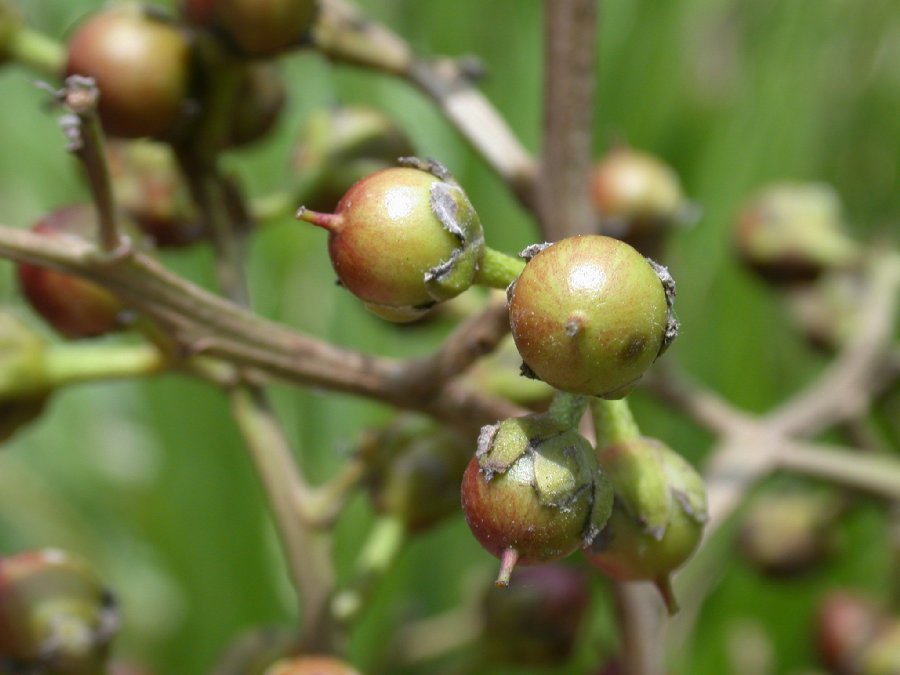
x=403, y=239
x=414, y=470
x=589, y=315
x=627, y=549
x=533, y=492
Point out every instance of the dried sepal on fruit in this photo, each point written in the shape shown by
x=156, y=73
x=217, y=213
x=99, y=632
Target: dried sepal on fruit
x=655, y=525
x=534, y=492
x=589, y=315
x=403, y=239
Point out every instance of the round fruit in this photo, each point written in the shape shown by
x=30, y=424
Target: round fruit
x=260, y=101
x=533, y=493
x=74, y=307
x=628, y=548
x=589, y=315
x=255, y=27
x=54, y=614
x=142, y=67
x=339, y=146
x=637, y=196
x=403, y=239
x=846, y=623
x=536, y=620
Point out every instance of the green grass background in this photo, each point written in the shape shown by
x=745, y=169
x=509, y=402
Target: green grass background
x=149, y=479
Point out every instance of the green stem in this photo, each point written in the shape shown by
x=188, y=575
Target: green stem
x=498, y=270
x=385, y=541
x=567, y=408
x=68, y=364
x=613, y=422
x=37, y=51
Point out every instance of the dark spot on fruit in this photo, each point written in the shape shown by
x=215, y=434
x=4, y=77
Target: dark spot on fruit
x=633, y=348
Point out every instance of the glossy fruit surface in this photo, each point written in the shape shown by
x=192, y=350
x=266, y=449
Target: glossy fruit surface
x=339, y=146
x=255, y=27
x=631, y=548
x=54, y=613
x=533, y=489
x=589, y=315
x=535, y=621
x=403, y=239
x=76, y=308
x=142, y=67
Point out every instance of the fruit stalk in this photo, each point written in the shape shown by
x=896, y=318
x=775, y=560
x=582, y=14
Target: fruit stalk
x=498, y=269
x=613, y=422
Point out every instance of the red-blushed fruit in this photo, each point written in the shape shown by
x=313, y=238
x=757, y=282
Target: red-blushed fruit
x=403, y=239
x=632, y=547
x=845, y=623
x=533, y=492
x=536, y=620
x=260, y=28
x=337, y=147
x=142, y=67
x=638, y=198
x=413, y=470
x=76, y=308
x=312, y=665
x=55, y=615
x=589, y=315
x=792, y=232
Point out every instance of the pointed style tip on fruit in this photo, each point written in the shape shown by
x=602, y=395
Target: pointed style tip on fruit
x=508, y=560
x=664, y=586
x=327, y=221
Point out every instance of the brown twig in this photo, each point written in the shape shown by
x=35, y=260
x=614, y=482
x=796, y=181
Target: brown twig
x=476, y=337
x=202, y=322
x=345, y=35
x=570, y=52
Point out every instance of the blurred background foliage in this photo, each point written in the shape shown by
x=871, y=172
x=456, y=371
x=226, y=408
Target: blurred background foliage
x=149, y=479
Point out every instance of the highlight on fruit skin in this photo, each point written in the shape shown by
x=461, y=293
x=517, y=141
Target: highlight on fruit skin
x=789, y=233
x=55, y=614
x=74, y=307
x=656, y=525
x=142, y=66
x=534, y=492
x=589, y=315
x=403, y=239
